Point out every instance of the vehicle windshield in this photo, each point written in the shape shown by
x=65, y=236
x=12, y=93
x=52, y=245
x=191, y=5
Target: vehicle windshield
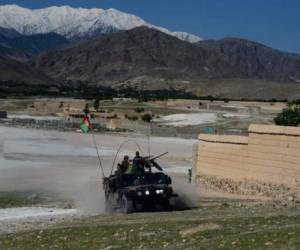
x=144, y=179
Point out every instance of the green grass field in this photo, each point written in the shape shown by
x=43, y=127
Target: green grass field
x=17, y=199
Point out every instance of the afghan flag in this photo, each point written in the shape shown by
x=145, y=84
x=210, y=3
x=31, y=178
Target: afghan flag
x=85, y=126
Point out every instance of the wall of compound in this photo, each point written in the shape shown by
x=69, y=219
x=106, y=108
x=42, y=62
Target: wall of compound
x=269, y=154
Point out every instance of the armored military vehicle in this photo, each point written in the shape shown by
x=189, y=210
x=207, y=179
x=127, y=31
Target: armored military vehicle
x=139, y=190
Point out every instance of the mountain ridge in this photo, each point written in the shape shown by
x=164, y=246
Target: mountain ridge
x=142, y=50
x=28, y=45
x=149, y=60
x=75, y=22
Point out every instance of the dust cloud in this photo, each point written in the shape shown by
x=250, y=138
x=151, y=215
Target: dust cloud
x=65, y=164
x=187, y=194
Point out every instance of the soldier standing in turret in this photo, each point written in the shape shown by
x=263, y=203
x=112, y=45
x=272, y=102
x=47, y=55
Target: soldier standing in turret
x=123, y=167
x=138, y=163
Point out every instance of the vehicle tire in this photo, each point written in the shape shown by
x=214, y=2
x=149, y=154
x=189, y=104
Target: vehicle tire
x=167, y=206
x=127, y=205
x=149, y=207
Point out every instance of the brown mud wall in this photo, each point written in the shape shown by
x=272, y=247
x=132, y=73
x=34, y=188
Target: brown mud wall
x=267, y=162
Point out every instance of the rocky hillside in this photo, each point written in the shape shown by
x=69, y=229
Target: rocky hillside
x=20, y=79
x=29, y=44
x=12, y=72
x=145, y=52
x=238, y=58
x=147, y=59
x=35, y=44
x=14, y=54
x=15, y=50
x=124, y=55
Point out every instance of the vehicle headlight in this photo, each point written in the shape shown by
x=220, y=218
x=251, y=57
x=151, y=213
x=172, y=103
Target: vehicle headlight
x=147, y=192
x=159, y=191
x=139, y=193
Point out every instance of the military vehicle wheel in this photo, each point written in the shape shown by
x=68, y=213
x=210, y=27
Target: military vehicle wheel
x=148, y=207
x=126, y=205
x=167, y=206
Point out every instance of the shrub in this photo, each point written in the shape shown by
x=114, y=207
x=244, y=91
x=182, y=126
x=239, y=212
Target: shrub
x=139, y=110
x=147, y=117
x=289, y=116
x=131, y=118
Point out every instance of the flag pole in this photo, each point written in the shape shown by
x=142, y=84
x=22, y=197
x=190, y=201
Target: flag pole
x=86, y=112
x=97, y=150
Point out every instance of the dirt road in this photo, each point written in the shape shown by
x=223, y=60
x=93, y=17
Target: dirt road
x=66, y=163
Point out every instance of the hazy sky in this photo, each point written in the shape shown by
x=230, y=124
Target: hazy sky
x=273, y=22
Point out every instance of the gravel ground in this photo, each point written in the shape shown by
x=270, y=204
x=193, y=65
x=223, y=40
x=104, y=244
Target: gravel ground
x=217, y=223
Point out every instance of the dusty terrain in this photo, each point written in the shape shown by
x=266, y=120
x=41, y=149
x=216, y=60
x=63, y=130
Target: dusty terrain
x=66, y=162
x=216, y=224
x=64, y=167
x=51, y=193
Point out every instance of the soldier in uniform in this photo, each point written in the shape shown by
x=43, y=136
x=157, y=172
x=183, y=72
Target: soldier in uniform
x=123, y=167
x=137, y=158
x=138, y=163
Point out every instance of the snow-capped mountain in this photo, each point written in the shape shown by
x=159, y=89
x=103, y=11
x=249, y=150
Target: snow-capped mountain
x=75, y=22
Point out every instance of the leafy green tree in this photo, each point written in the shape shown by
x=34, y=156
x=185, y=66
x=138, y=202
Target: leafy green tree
x=289, y=116
x=147, y=117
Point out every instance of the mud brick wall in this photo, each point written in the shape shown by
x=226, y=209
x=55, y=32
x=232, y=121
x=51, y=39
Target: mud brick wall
x=270, y=155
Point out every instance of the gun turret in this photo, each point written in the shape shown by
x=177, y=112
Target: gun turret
x=158, y=156
x=151, y=161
